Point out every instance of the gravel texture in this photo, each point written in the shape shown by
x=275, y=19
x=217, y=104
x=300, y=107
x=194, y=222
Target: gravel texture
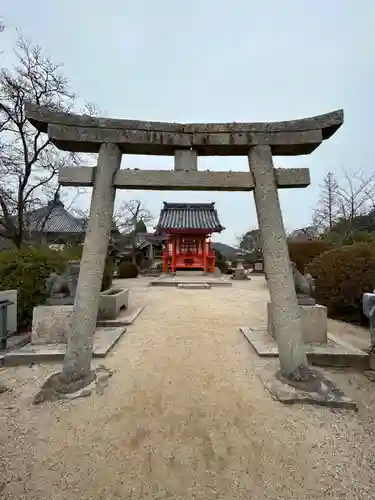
x=185, y=416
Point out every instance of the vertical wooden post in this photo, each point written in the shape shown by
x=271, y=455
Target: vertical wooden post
x=151, y=252
x=165, y=255
x=212, y=266
x=173, y=253
x=204, y=244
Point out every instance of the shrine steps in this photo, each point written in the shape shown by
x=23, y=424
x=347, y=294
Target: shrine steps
x=169, y=280
x=190, y=273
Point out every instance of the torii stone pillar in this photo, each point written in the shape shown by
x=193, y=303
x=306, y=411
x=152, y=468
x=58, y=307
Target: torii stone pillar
x=293, y=360
x=80, y=342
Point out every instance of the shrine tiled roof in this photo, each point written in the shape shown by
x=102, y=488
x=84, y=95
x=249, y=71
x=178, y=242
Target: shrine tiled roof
x=189, y=216
x=55, y=219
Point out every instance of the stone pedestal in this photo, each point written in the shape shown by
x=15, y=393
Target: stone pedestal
x=239, y=273
x=314, y=323
x=51, y=324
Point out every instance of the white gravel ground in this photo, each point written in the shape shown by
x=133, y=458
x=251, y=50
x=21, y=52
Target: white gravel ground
x=185, y=417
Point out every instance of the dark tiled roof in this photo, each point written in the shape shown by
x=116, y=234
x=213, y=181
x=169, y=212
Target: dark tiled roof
x=54, y=220
x=145, y=239
x=185, y=216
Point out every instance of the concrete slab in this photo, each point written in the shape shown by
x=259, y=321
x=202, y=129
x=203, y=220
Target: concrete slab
x=181, y=280
x=317, y=390
x=18, y=340
x=104, y=340
x=334, y=353
x=15, y=342
x=194, y=286
x=125, y=318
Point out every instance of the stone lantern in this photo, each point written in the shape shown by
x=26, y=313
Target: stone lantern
x=239, y=273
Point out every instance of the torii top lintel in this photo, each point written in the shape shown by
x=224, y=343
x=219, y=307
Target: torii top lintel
x=83, y=133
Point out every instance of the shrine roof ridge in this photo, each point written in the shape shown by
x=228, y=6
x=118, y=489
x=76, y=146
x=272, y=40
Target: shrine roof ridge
x=188, y=206
x=84, y=133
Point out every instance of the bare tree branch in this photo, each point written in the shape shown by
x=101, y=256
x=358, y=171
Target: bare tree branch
x=128, y=219
x=305, y=233
x=29, y=163
x=328, y=209
x=343, y=203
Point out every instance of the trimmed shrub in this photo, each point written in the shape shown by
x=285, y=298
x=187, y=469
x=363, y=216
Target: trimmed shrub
x=222, y=265
x=341, y=276
x=304, y=252
x=73, y=252
x=128, y=257
x=27, y=270
x=127, y=269
x=252, y=257
x=218, y=255
x=145, y=263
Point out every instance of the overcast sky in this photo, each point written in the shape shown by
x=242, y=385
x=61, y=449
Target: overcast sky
x=215, y=60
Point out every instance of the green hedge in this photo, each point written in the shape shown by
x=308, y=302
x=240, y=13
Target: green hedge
x=27, y=270
x=222, y=265
x=341, y=276
x=127, y=269
x=304, y=252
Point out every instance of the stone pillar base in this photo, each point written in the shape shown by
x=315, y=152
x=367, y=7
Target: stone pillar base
x=239, y=274
x=51, y=324
x=314, y=323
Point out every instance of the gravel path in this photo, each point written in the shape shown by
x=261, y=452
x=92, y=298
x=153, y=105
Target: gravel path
x=185, y=417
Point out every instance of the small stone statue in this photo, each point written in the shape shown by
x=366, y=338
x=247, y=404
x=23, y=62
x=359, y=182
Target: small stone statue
x=368, y=304
x=304, y=286
x=61, y=288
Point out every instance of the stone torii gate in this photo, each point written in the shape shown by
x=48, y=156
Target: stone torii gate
x=258, y=141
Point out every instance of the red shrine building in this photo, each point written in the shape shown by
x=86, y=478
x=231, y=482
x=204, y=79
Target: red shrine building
x=188, y=228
